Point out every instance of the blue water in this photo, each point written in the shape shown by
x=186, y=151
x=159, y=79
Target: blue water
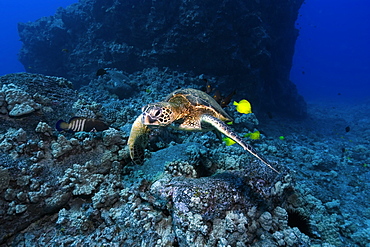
x=332, y=55
x=332, y=51
x=12, y=12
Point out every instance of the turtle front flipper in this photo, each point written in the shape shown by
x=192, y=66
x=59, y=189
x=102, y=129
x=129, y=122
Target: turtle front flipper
x=138, y=140
x=226, y=130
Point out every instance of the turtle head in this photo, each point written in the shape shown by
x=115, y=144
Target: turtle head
x=157, y=114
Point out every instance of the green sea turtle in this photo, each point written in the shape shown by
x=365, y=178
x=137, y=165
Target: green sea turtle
x=184, y=109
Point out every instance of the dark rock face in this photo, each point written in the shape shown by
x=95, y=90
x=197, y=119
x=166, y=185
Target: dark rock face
x=248, y=43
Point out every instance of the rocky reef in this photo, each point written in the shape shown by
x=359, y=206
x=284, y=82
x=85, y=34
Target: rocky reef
x=75, y=189
x=249, y=45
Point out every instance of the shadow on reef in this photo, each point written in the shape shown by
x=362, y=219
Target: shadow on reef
x=248, y=43
x=295, y=219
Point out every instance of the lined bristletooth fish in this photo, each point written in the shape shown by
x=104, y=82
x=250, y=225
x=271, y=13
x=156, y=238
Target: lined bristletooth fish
x=77, y=124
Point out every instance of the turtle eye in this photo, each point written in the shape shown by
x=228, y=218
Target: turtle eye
x=157, y=113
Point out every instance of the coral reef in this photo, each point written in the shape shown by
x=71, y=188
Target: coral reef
x=18, y=102
x=82, y=189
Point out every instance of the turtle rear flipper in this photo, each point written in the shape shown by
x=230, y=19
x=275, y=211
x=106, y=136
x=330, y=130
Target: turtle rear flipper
x=224, y=129
x=138, y=140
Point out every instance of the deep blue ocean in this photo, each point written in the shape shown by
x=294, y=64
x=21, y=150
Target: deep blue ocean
x=332, y=51
x=331, y=57
x=15, y=11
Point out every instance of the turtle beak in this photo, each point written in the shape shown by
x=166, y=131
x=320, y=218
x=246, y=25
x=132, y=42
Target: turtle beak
x=148, y=120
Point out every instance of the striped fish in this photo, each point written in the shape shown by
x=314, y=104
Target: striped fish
x=77, y=124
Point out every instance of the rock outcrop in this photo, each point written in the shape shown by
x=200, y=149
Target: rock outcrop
x=249, y=45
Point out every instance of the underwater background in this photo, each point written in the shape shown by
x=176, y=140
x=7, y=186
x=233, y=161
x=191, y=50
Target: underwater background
x=13, y=12
x=302, y=65
x=330, y=53
x=331, y=50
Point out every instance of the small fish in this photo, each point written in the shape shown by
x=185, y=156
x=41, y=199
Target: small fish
x=348, y=129
x=208, y=86
x=228, y=141
x=225, y=101
x=77, y=124
x=101, y=72
x=217, y=96
x=254, y=136
x=65, y=50
x=243, y=106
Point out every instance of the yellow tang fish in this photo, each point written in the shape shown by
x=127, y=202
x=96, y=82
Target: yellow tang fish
x=254, y=136
x=228, y=141
x=243, y=106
